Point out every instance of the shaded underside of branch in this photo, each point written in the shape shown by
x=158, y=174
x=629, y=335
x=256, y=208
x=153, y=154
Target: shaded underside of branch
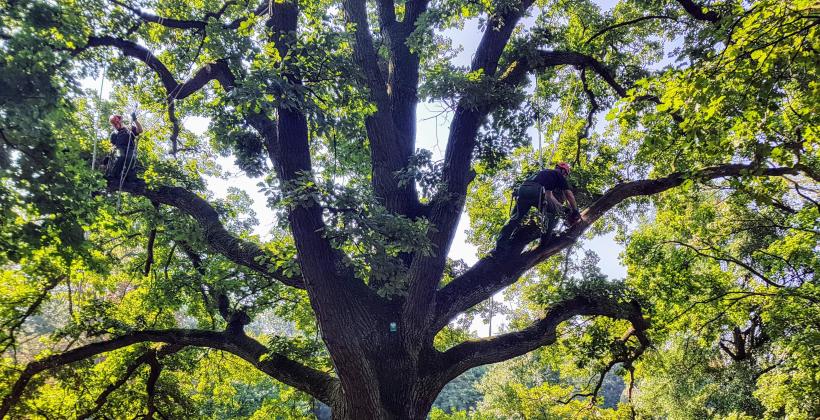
x=314, y=382
x=474, y=353
x=697, y=11
x=242, y=252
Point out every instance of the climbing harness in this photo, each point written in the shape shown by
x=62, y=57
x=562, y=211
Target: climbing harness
x=529, y=186
x=129, y=160
x=531, y=191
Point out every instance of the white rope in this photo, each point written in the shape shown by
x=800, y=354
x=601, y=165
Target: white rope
x=126, y=164
x=538, y=125
x=99, y=115
x=129, y=159
x=563, y=123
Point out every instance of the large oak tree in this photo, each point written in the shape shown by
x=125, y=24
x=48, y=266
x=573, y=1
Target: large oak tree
x=320, y=99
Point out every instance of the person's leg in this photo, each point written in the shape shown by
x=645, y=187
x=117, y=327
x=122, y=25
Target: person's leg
x=115, y=170
x=550, y=213
x=131, y=169
x=522, y=207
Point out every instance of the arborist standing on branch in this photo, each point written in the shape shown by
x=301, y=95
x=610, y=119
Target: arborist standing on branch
x=539, y=191
x=125, y=140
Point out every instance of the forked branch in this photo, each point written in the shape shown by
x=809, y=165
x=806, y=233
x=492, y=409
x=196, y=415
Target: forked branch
x=129, y=371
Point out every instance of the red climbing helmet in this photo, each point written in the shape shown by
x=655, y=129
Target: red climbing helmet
x=563, y=166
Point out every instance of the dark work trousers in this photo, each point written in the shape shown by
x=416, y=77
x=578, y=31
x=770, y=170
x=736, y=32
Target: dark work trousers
x=129, y=162
x=531, y=195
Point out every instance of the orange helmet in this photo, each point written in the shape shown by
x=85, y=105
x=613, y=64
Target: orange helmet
x=114, y=117
x=563, y=166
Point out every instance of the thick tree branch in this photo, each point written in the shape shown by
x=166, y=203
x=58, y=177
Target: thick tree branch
x=413, y=10
x=696, y=11
x=446, y=207
x=516, y=72
x=155, y=368
x=216, y=236
x=387, y=14
x=134, y=50
x=365, y=52
x=218, y=70
x=288, y=147
x=149, y=252
x=503, y=267
x=316, y=383
x=167, y=22
x=402, y=90
x=391, y=129
x=337, y=297
x=491, y=350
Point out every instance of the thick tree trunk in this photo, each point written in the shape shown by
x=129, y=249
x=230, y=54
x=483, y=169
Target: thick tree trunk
x=383, y=381
x=401, y=396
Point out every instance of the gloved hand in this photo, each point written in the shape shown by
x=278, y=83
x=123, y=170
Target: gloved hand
x=573, y=217
x=133, y=116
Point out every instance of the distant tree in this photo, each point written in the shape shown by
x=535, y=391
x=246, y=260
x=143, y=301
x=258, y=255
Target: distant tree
x=152, y=287
x=738, y=326
x=461, y=393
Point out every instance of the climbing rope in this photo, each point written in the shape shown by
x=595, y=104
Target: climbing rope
x=564, y=117
x=538, y=126
x=99, y=117
x=563, y=123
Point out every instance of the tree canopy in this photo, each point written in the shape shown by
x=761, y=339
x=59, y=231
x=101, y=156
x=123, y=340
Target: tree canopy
x=692, y=129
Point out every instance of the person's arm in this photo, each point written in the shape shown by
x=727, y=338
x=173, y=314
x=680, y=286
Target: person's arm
x=551, y=198
x=137, y=125
x=571, y=200
x=574, y=215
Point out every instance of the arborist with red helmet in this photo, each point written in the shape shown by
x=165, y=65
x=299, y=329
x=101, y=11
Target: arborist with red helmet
x=125, y=140
x=539, y=191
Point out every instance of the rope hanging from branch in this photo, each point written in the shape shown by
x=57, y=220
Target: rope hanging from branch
x=539, y=128
x=99, y=117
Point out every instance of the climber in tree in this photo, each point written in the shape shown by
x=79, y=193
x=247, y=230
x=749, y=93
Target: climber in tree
x=125, y=140
x=539, y=191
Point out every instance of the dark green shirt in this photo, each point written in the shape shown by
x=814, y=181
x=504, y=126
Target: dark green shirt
x=125, y=140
